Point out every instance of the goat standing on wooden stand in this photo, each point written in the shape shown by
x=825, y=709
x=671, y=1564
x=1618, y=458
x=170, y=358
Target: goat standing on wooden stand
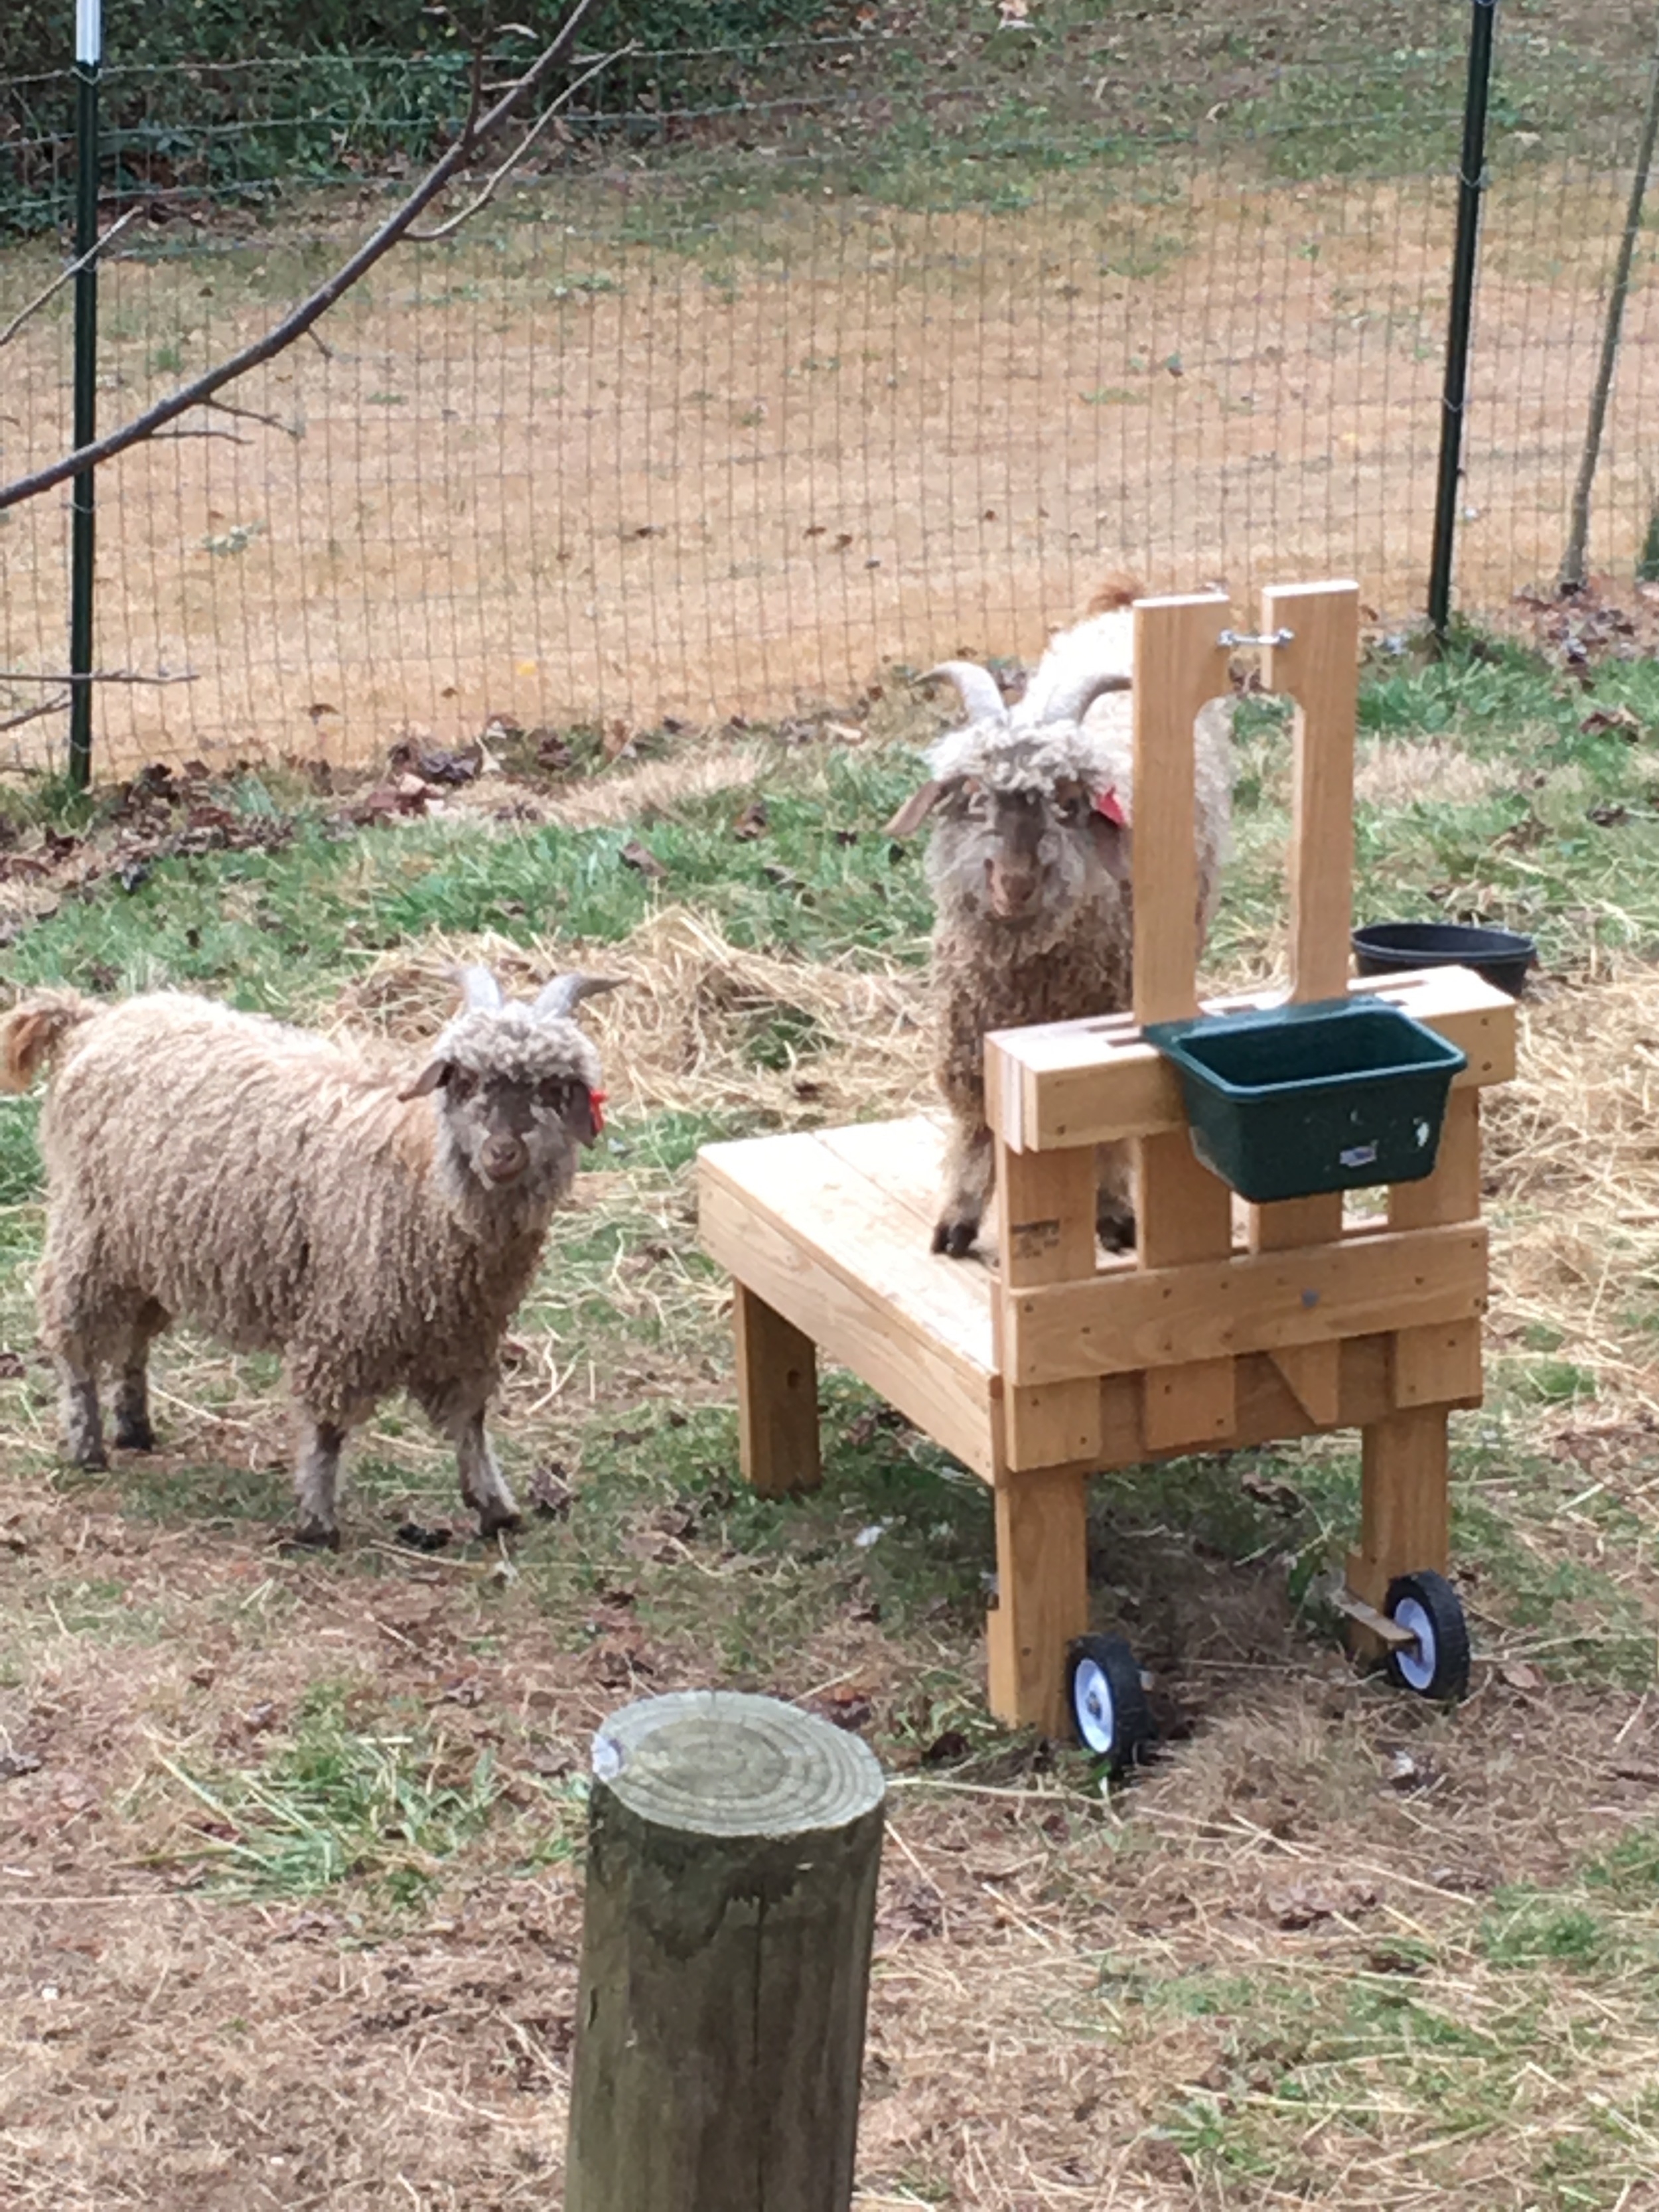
x=1030, y=864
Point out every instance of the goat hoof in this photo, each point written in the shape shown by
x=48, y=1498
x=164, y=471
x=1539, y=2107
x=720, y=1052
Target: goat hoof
x=1117, y=1230
x=135, y=1436
x=955, y=1239
x=92, y=1458
x=315, y=1536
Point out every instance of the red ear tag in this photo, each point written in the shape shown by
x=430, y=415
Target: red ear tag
x=596, y=1110
x=1108, y=803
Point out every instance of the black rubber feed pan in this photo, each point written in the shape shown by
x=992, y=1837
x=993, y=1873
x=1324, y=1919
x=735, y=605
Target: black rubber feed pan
x=1288, y=1100
x=1499, y=956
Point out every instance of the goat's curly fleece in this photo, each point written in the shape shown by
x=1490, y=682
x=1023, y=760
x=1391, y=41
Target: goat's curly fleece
x=990, y=973
x=271, y=1186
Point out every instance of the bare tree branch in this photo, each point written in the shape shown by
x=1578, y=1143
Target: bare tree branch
x=294, y=326
x=431, y=237
x=59, y=706
x=102, y=246
x=1571, y=576
x=98, y=675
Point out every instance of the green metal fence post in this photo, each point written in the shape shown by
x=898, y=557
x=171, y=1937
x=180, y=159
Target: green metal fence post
x=88, y=52
x=1472, y=180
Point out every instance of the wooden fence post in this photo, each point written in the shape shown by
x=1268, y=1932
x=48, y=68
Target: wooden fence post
x=734, y=1844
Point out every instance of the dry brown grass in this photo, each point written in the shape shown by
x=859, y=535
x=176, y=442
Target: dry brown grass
x=1076, y=2004
x=675, y=1035
x=850, y=437
x=1573, y=1155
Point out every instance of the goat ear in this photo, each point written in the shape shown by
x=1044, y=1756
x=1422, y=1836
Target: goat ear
x=1112, y=845
x=585, y=1115
x=431, y=1077
x=915, y=809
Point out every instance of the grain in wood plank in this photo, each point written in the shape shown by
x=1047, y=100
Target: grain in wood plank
x=1318, y=668
x=1260, y=1302
x=1179, y=664
x=947, y=1396
x=777, y=1399
x=1042, y=1595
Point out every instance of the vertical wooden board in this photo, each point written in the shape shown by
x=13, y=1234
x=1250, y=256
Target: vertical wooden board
x=1193, y=1407
x=1183, y=1211
x=1404, y=1511
x=1451, y=1191
x=777, y=1399
x=1123, y=1421
x=1438, y=1366
x=1314, y=1374
x=1047, y=1236
x=1048, y=1214
x=1312, y=1371
x=1048, y=1422
x=1042, y=1595
x=1320, y=670
x=1179, y=664
x=1295, y=1221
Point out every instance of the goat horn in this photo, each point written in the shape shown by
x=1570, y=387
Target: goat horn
x=480, y=990
x=560, y=999
x=1072, y=700
x=980, y=695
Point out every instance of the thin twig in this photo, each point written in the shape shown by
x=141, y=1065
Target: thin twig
x=294, y=326
x=33, y=713
x=454, y=222
x=167, y=437
x=254, y=415
x=75, y=268
x=98, y=675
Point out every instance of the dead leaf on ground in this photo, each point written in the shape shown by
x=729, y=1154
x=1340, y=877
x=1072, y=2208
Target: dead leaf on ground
x=550, y=1492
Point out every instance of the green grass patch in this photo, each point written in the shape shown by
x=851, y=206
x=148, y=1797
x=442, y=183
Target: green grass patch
x=377, y=1801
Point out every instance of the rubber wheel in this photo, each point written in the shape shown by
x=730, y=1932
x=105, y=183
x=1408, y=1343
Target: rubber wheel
x=1108, y=1702
x=1438, y=1668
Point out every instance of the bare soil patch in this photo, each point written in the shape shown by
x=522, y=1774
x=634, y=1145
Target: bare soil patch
x=562, y=473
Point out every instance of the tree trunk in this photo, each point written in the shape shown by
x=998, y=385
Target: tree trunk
x=1572, y=561
x=733, y=1845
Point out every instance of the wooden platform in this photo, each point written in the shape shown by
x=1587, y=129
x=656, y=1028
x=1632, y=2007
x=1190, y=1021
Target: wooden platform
x=1230, y=1324
x=830, y=1228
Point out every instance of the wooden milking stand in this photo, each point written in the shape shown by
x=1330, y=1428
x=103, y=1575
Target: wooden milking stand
x=1230, y=1325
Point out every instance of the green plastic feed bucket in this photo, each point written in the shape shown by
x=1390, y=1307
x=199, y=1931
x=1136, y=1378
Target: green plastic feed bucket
x=1289, y=1101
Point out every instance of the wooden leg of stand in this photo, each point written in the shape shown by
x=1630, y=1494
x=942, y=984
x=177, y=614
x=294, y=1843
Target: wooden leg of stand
x=777, y=1399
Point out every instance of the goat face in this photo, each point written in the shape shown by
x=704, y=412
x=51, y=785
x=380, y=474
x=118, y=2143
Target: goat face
x=1021, y=840
x=517, y=1089
x=516, y=1130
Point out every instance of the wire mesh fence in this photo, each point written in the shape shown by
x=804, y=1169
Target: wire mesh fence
x=767, y=374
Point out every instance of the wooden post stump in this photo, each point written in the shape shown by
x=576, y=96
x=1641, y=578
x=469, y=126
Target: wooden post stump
x=734, y=1844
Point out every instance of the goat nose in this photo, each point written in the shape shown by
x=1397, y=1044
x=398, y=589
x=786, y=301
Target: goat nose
x=503, y=1157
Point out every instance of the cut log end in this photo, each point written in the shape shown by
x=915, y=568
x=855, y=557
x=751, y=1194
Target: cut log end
x=719, y=1763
